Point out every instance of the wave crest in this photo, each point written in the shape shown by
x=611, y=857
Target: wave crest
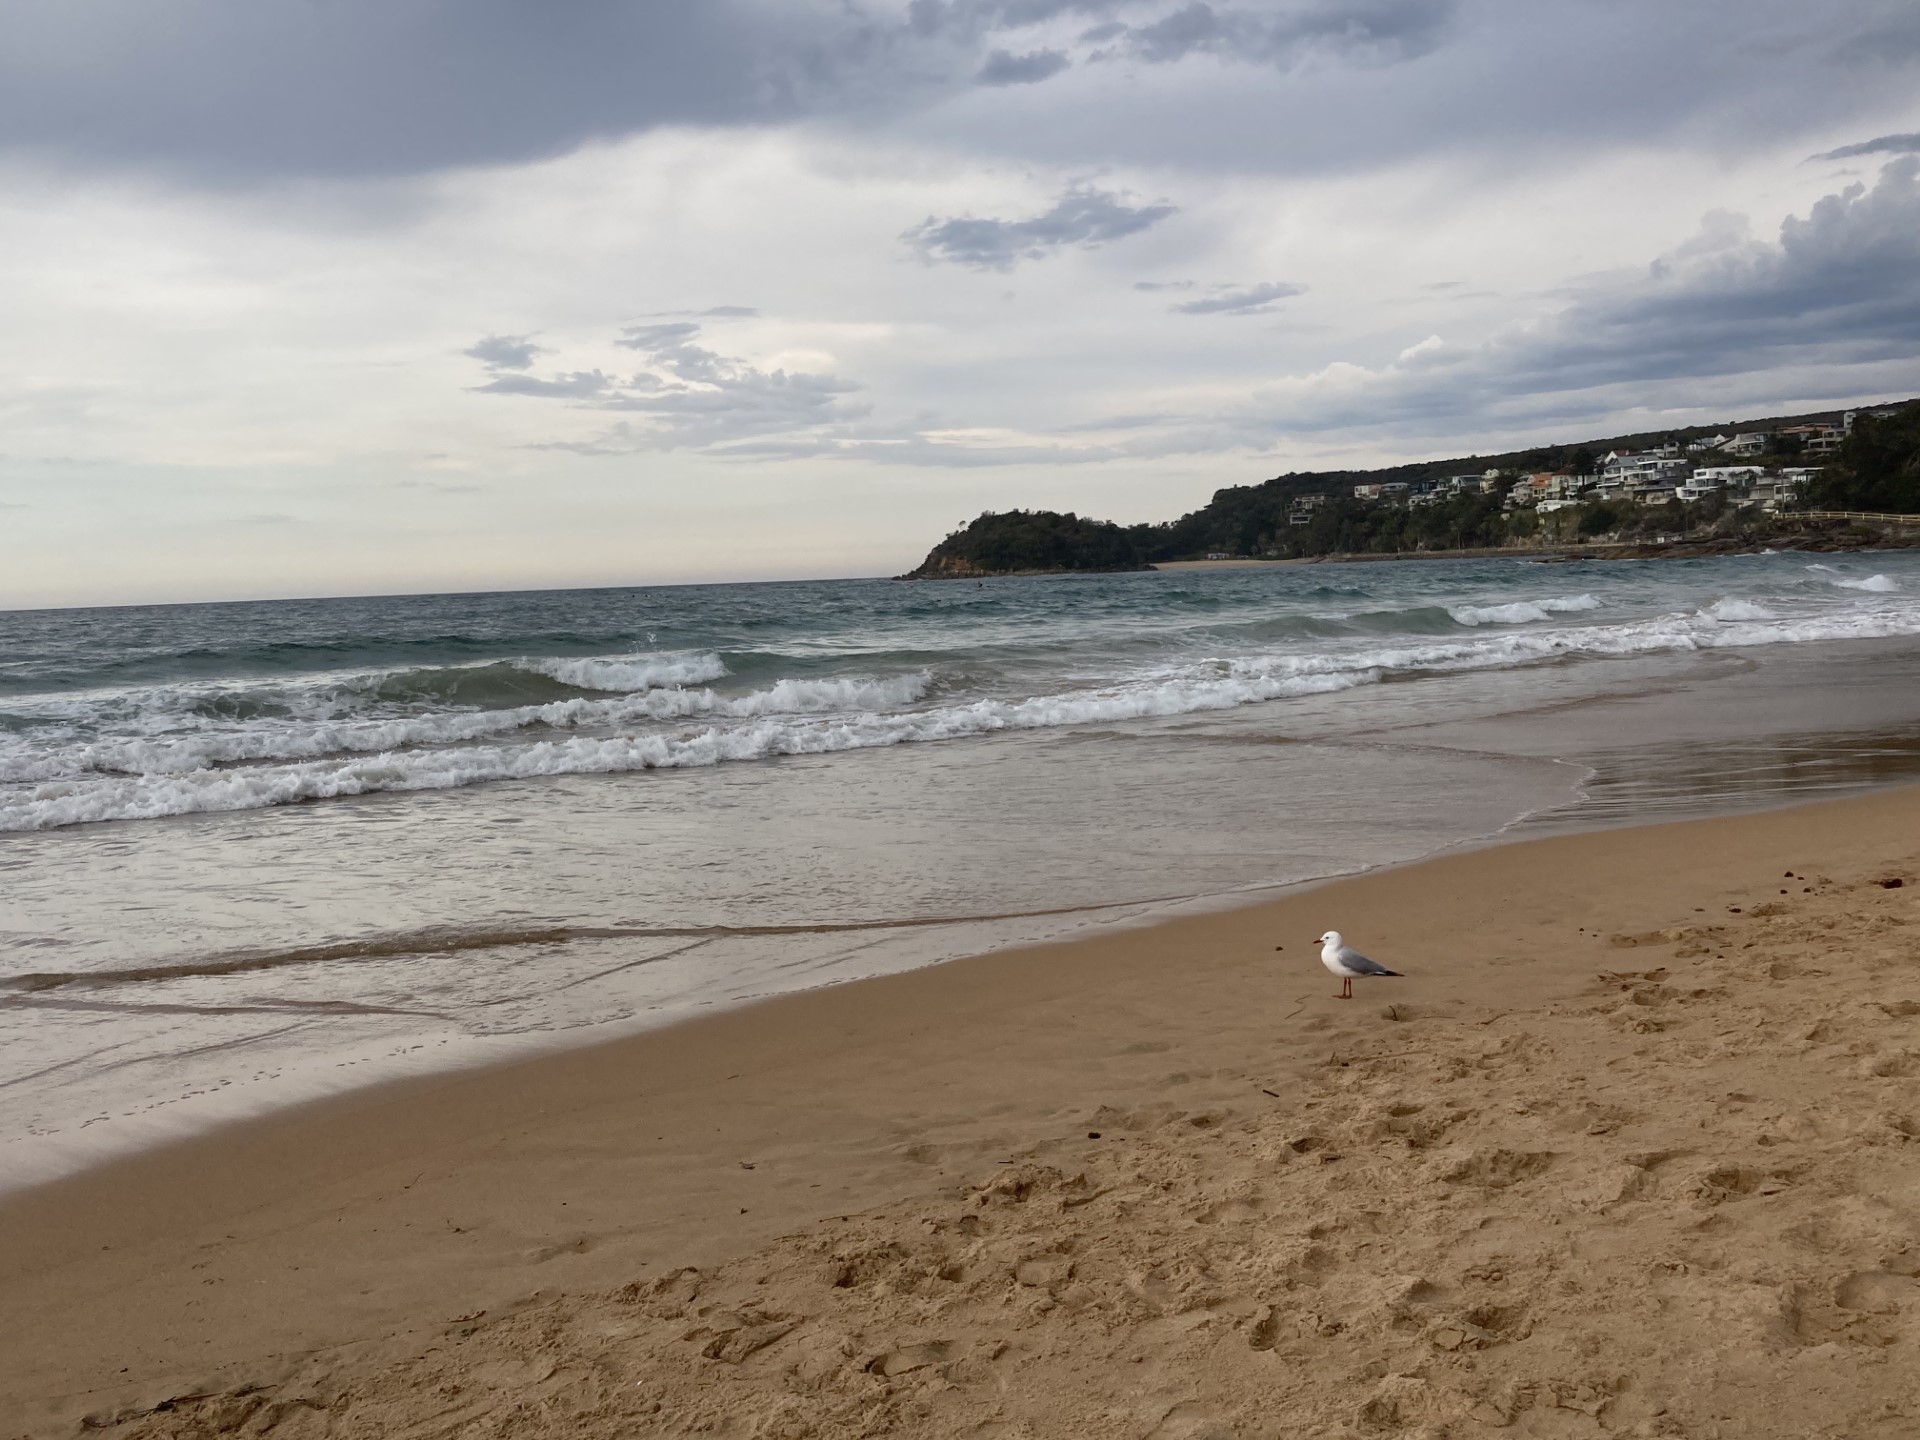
x=631, y=672
x=1522, y=612
x=170, y=758
x=1731, y=607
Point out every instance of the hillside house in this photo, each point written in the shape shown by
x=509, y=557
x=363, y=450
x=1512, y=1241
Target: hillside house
x=1302, y=510
x=1556, y=484
x=1627, y=470
x=1816, y=439
x=1721, y=477
x=1885, y=412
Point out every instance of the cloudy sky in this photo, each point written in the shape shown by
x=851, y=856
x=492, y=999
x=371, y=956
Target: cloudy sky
x=368, y=296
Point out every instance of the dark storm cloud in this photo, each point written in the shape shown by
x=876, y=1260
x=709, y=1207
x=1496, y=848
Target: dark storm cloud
x=1248, y=300
x=691, y=397
x=1354, y=86
x=1893, y=39
x=973, y=18
x=1840, y=288
x=1082, y=217
x=505, y=352
x=1885, y=145
x=1005, y=68
x=234, y=88
x=234, y=91
x=1383, y=29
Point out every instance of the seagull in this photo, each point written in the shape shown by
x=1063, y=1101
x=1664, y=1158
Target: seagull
x=1346, y=962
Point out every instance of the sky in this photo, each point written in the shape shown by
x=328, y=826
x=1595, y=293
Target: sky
x=385, y=296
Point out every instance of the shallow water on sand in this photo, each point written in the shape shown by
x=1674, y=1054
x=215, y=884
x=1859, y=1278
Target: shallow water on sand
x=527, y=820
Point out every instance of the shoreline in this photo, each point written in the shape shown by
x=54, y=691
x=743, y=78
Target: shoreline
x=971, y=937
x=359, y=1226
x=62, y=1137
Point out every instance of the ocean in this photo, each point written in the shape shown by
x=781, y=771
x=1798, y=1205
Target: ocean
x=252, y=853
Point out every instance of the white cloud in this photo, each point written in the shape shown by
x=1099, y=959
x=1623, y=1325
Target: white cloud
x=676, y=333
x=1261, y=299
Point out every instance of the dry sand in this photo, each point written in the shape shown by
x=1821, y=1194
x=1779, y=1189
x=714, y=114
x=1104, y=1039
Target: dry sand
x=1634, y=1150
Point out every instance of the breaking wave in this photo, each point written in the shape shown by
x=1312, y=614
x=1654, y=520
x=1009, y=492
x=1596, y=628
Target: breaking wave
x=1522, y=612
x=193, y=751
x=651, y=715
x=642, y=673
x=1874, y=584
x=1731, y=607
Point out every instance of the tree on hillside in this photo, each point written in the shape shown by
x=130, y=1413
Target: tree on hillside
x=1877, y=467
x=1040, y=540
x=1597, y=517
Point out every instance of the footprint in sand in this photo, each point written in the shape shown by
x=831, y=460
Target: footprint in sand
x=1187, y=1421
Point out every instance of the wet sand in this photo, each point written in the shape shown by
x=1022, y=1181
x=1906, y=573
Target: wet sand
x=1634, y=1149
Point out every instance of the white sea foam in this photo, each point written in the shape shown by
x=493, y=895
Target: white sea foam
x=1875, y=584
x=630, y=672
x=185, y=752
x=1732, y=607
x=1522, y=612
x=817, y=716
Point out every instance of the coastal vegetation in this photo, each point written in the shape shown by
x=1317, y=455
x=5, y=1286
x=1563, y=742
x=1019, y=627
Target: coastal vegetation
x=1020, y=541
x=1875, y=467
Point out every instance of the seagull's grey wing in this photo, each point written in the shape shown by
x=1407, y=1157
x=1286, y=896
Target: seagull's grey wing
x=1361, y=965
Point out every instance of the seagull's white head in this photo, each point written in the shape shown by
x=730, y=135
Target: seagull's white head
x=1332, y=937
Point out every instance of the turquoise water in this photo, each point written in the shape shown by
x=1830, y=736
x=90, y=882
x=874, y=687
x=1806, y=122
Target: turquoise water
x=252, y=852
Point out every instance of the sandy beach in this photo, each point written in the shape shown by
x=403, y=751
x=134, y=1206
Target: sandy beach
x=1631, y=1150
